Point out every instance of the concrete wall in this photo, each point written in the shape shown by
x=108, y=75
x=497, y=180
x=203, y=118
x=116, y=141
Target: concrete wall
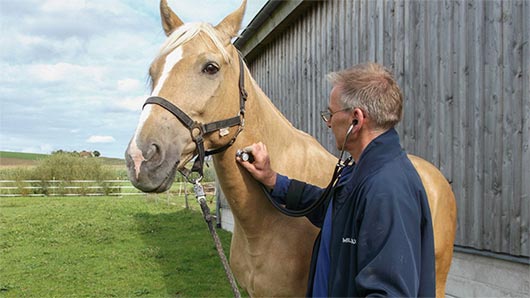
x=227, y=220
x=479, y=276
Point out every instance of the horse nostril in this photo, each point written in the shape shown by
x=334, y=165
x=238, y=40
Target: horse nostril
x=152, y=152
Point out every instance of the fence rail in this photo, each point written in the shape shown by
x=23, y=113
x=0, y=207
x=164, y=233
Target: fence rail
x=55, y=188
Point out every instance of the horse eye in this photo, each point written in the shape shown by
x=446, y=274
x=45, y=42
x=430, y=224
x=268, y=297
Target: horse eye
x=210, y=68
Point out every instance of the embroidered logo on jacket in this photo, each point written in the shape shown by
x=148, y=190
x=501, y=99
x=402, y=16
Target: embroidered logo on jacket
x=352, y=241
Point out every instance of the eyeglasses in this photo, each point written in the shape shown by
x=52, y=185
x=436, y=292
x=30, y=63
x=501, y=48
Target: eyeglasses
x=327, y=114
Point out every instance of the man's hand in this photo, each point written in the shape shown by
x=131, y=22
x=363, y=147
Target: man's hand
x=260, y=169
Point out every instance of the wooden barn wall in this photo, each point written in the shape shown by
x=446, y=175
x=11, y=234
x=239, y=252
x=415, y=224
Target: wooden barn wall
x=464, y=70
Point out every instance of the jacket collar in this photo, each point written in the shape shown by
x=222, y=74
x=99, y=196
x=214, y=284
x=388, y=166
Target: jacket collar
x=378, y=152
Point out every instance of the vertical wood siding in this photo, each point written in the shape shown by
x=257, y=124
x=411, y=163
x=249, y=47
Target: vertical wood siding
x=464, y=70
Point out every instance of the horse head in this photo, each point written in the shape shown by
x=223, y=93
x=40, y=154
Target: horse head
x=197, y=71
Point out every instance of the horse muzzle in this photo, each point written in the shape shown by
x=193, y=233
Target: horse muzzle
x=149, y=167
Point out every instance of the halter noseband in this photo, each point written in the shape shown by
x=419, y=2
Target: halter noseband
x=198, y=129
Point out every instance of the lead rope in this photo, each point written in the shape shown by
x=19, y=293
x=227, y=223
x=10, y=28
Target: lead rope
x=201, y=198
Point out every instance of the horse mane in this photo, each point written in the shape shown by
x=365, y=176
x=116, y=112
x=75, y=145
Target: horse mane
x=188, y=31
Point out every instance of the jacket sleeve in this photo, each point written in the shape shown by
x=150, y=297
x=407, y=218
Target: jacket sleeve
x=389, y=239
x=297, y=195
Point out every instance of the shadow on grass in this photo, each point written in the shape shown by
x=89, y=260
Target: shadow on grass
x=182, y=246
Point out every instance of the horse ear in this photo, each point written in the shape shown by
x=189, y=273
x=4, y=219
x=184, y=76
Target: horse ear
x=231, y=24
x=170, y=21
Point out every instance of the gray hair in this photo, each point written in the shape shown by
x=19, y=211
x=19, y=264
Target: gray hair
x=371, y=88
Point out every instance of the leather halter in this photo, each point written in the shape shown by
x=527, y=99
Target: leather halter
x=198, y=129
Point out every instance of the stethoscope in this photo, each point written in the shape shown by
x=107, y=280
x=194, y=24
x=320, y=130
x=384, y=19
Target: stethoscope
x=246, y=155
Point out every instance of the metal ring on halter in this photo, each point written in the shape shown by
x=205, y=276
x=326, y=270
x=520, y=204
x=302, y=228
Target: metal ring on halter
x=187, y=174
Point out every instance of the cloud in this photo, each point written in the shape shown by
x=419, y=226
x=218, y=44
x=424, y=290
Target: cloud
x=131, y=103
x=100, y=139
x=63, y=5
x=65, y=71
x=44, y=148
x=128, y=84
x=75, y=68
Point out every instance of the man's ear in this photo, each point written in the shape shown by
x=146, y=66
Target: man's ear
x=358, y=117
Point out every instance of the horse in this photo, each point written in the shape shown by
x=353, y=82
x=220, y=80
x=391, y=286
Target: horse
x=198, y=71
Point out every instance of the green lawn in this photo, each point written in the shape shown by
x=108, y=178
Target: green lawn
x=107, y=247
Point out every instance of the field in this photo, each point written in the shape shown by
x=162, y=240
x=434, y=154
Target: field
x=107, y=247
x=13, y=159
x=17, y=159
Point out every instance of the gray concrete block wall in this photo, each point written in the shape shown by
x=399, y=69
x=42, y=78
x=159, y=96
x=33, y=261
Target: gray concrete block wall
x=480, y=276
x=227, y=220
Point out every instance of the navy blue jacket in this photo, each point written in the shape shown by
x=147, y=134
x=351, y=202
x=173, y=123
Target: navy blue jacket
x=382, y=241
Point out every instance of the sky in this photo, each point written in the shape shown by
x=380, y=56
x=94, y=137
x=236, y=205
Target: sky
x=74, y=72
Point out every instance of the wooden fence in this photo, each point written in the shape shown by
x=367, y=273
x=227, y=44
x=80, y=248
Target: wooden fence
x=63, y=188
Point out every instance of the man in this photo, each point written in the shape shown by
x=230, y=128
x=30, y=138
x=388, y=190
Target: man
x=376, y=234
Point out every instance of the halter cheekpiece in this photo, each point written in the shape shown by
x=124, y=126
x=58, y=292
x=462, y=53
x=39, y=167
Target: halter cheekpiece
x=198, y=129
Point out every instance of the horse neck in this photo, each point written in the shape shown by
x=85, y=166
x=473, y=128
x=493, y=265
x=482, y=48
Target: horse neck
x=263, y=123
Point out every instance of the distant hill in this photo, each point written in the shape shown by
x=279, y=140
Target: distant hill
x=21, y=155
x=14, y=159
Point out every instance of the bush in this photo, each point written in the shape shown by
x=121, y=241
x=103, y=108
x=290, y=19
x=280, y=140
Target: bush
x=65, y=167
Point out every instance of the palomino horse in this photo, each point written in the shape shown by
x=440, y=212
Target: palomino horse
x=198, y=70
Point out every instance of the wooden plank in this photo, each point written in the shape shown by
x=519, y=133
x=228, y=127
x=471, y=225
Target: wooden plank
x=446, y=95
x=421, y=113
x=340, y=14
x=388, y=23
x=408, y=91
x=380, y=32
x=470, y=207
x=459, y=103
x=493, y=120
x=511, y=131
x=433, y=81
x=348, y=8
x=363, y=32
x=312, y=25
x=399, y=56
x=356, y=26
x=524, y=47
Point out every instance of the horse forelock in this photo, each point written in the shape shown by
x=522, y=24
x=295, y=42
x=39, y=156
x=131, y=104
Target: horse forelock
x=187, y=32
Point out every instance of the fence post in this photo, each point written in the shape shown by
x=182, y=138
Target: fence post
x=186, y=196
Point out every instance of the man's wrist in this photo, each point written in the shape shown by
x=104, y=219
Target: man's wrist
x=270, y=182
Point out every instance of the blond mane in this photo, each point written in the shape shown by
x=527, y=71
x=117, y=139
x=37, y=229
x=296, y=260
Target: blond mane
x=187, y=32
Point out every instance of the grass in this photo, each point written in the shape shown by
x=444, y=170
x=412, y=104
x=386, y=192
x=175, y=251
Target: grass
x=21, y=155
x=13, y=159
x=107, y=247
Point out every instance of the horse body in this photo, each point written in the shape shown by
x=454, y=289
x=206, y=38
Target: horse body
x=270, y=252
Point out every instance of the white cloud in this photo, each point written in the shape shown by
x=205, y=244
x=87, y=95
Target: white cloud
x=129, y=85
x=132, y=103
x=43, y=148
x=100, y=139
x=63, y=5
x=65, y=71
